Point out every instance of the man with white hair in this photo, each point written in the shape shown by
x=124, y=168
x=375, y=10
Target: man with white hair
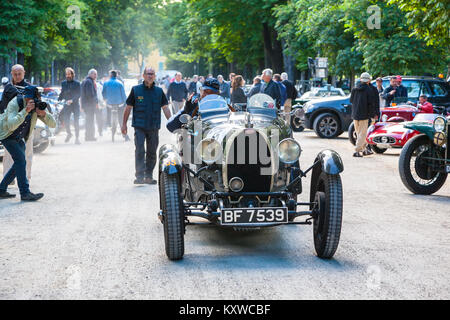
x=89, y=103
x=15, y=86
x=269, y=86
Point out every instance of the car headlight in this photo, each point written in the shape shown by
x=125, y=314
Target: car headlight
x=289, y=151
x=439, y=124
x=44, y=134
x=384, y=118
x=209, y=150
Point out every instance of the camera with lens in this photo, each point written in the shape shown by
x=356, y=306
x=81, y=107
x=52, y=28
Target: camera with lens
x=39, y=104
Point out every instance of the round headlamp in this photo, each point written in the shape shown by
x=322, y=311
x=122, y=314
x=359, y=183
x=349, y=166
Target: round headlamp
x=236, y=184
x=289, y=151
x=384, y=118
x=439, y=138
x=439, y=124
x=209, y=150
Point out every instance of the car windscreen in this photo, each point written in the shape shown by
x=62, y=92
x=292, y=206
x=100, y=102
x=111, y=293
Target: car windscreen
x=424, y=117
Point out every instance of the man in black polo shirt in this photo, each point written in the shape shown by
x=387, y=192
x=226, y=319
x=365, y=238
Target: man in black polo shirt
x=146, y=101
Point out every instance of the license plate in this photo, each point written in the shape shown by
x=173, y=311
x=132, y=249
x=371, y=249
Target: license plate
x=238, y=216
x=447, y=168
x=383, y=146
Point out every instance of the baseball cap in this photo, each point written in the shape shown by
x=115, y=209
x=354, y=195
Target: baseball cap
x=399, y=78
x=211, y=84
x=365, y=77
x=30, y=92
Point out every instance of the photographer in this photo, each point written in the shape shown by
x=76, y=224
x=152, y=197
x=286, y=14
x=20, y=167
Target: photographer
x=16, y=126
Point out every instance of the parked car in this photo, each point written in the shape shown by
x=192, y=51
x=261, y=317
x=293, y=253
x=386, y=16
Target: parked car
x=330, y=117
x=315, y=93
x=424, y=162
x=384, y=135
x=241, y=170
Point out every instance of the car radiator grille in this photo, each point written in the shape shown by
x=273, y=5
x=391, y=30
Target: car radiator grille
x=246, y=159
x=384, y=139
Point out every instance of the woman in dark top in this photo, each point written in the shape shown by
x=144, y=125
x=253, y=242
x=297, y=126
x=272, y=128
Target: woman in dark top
x=237, y=93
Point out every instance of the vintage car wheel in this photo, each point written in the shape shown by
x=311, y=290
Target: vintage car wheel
x=352, y=134
x=328, y=218
x=377, y=150
x=327, y=126
x=414, y=172
x=173, y=216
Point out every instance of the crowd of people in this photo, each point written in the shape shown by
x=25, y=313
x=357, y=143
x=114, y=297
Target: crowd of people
x=20, y=109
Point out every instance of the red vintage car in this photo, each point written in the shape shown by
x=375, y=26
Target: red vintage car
x=384, y=135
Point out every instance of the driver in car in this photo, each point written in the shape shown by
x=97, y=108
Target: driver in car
x=209, y=90
x=424, y=105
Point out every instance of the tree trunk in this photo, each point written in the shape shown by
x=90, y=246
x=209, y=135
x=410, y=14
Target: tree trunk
x=267, y=46
x=277, y=53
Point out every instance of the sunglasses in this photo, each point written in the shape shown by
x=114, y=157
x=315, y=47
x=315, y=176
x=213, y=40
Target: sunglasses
x=150, y=74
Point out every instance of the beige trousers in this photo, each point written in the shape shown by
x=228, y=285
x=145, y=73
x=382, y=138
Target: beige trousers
x=288, y=108
x=8, y=161
x=361, y=127
x=176, y=106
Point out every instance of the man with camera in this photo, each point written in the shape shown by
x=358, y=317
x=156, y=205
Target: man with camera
x=16, y=126
x=12, y=89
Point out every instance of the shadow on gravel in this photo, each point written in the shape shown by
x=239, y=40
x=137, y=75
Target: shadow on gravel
x=434, y=198
x=270, y=248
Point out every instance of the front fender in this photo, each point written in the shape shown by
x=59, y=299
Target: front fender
x=423, y=127
x=330, y=161
x=169, y=160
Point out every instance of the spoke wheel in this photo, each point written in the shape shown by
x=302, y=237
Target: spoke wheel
x=416, y=169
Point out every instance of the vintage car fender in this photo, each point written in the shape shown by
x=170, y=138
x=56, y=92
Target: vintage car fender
x=169, y=160
x=423, y=127
x=330, y=161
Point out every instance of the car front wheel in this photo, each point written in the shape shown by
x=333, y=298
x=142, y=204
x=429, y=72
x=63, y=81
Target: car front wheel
x=173, y=216
x=327, y=126
x=328, y=216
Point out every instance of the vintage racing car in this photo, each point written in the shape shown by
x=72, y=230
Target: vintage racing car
x=424, y=162
x=240, y=169
x=384, y=135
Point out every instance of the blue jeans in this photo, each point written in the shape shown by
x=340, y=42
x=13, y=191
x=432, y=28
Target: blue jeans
x=146, y=142
x=16, y=147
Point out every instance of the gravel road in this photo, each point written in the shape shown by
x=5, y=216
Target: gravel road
x=95, y=235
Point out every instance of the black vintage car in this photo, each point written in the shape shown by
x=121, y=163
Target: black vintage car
x=330, y=117
x=240, y=169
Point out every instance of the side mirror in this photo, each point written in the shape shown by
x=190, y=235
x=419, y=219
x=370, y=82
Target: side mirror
x=185, y=118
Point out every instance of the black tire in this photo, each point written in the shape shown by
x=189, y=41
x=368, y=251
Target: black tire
x=295, y=128
x=41, y=148
x=328, y=221
x=173, y=216
x=377, y=150
x=435, y=179
x=327, y=126
x=352, y=134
